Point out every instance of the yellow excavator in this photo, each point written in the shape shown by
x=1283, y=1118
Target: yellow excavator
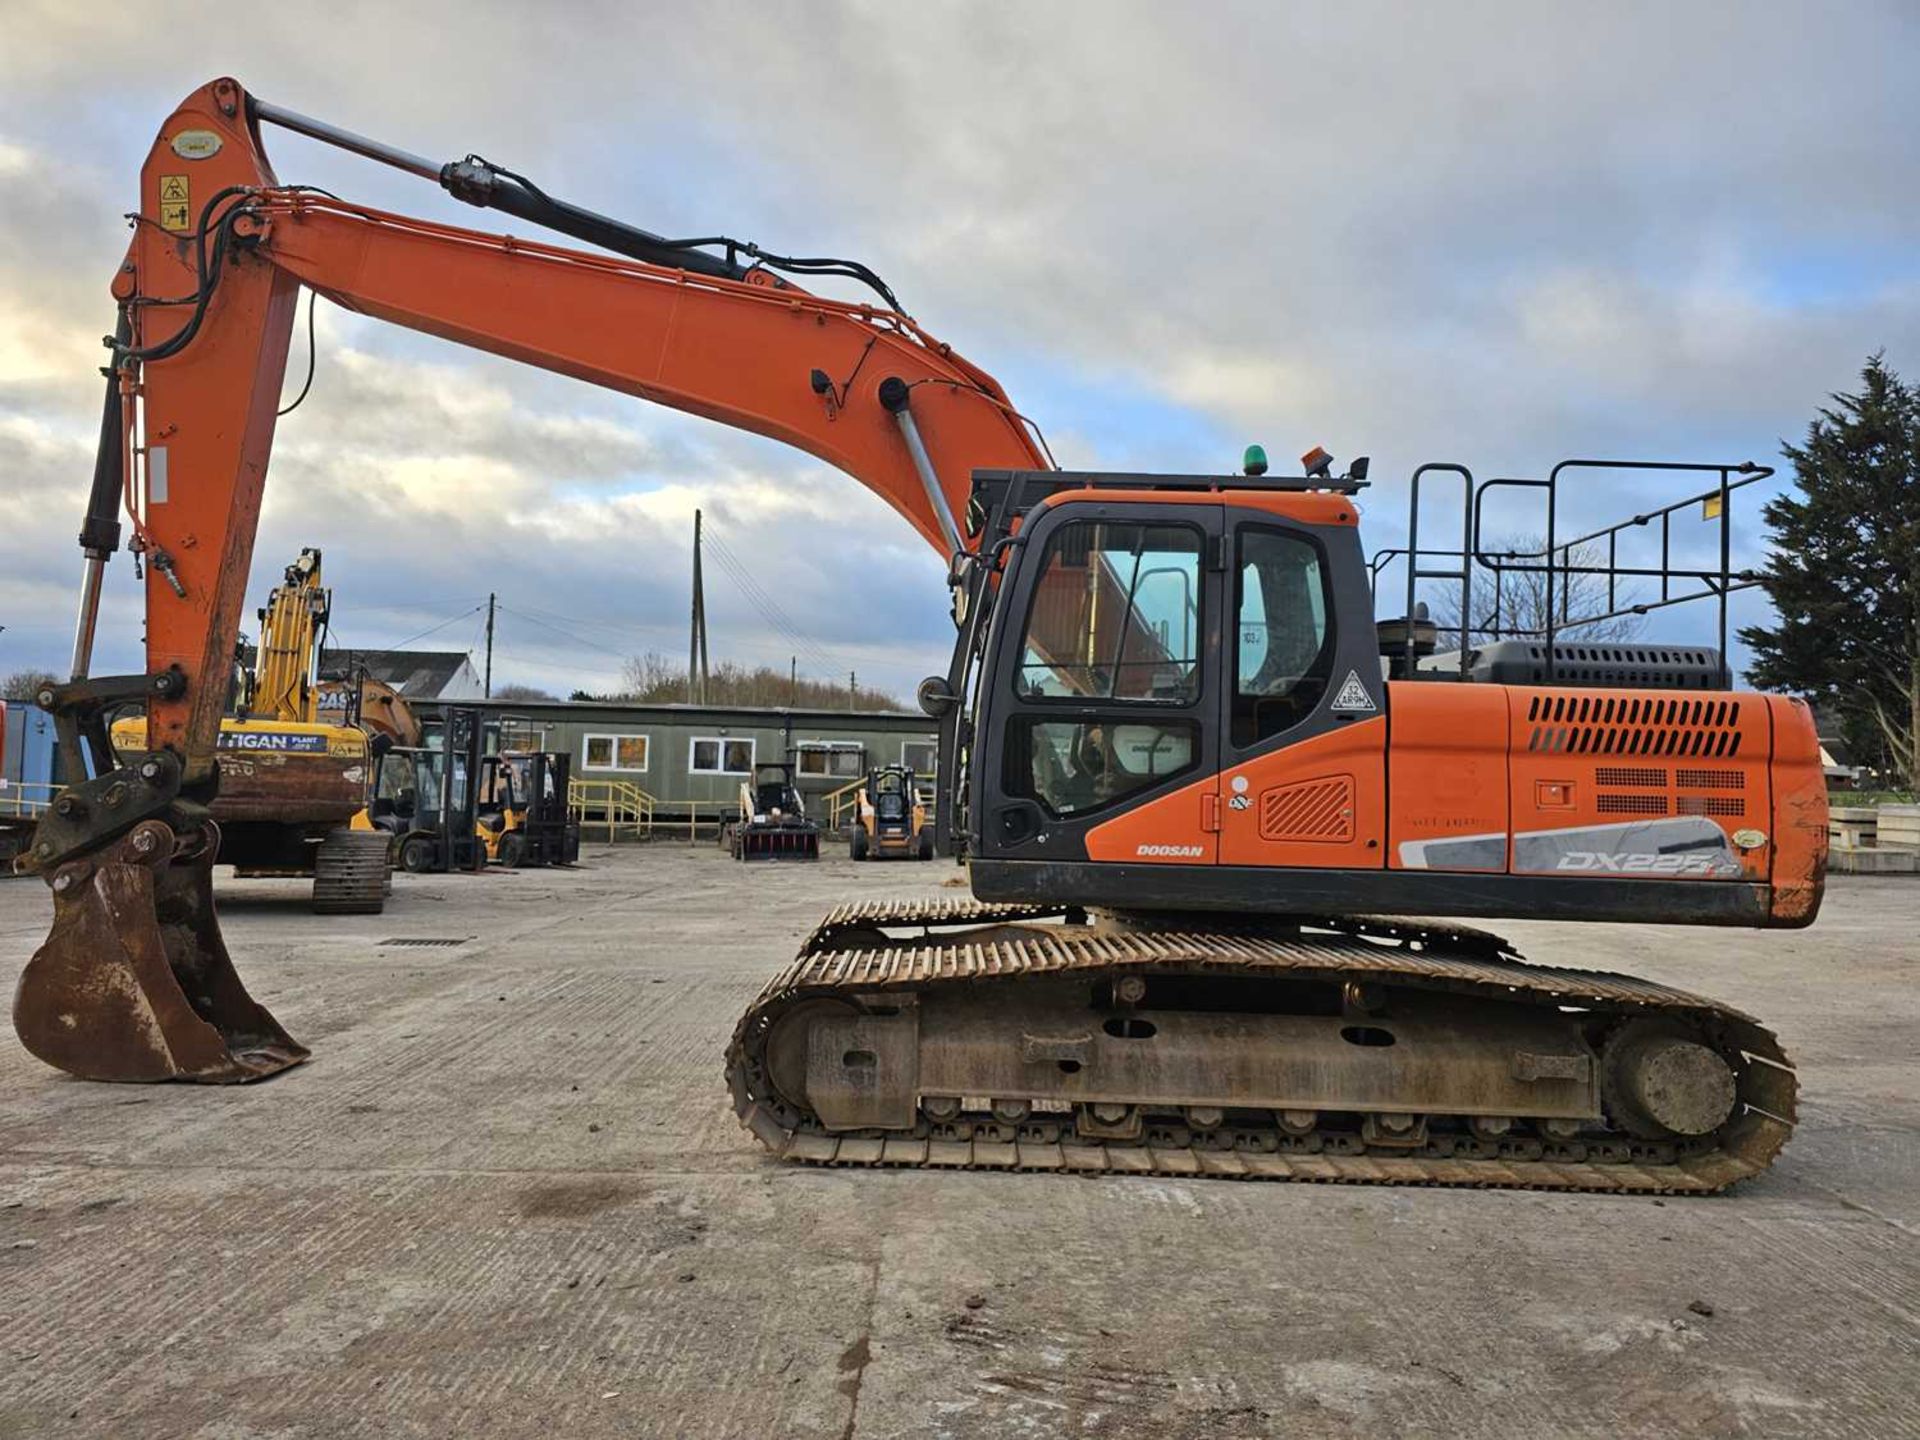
x=293, y=785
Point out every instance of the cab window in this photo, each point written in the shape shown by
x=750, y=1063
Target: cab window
x=1283, y=655
x=1116, y=615
x=1072, y=767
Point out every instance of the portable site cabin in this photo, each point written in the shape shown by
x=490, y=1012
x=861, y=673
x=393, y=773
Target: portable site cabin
x=691, y=759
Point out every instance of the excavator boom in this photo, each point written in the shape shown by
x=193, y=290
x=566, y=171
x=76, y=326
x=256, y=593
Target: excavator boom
x=285, y=683
x=207, y=295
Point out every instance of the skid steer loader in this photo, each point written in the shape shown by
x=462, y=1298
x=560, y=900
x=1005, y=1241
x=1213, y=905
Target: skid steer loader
x=774, y=824
x=891, y=818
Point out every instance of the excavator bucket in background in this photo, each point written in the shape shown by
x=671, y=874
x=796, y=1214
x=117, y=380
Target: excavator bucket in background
x=777, y=842
x=134, y=981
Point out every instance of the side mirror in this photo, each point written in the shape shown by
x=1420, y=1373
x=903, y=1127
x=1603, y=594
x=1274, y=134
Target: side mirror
x=936, y=697
x=1358, y=470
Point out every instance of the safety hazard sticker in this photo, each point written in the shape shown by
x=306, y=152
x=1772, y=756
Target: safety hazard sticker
x=1353, y=695
x=174, y=203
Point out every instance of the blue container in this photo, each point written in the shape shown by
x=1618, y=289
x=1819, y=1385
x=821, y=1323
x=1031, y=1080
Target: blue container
x=32, y=756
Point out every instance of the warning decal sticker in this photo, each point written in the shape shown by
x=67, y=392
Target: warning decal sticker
x=174, y=204
x=1353, y=695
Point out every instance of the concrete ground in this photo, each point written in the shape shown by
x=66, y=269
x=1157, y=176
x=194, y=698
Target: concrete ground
x=508, y=1197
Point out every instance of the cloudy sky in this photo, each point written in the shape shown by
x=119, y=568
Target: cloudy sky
x=1499, y=234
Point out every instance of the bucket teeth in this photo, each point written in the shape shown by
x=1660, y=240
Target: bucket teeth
x=134, y=982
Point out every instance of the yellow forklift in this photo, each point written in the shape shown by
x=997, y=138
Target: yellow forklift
x=522, y=816
x=891, y=819
x=457, y=802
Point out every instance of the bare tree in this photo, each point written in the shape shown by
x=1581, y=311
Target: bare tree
x=654, y=679
x=1513, y=603
x=521, y=692
x=26, y=685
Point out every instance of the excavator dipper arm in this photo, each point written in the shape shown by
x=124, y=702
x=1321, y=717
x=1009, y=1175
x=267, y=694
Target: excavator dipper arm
x=133, y=982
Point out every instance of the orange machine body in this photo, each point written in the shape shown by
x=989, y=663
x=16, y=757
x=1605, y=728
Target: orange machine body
x=1435, y=795
x=1469, y=779
x=1536, y=781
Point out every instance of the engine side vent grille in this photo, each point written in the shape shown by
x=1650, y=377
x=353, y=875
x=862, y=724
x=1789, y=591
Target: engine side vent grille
x=1713, y=805
x=1662, y=725
x=1710, y=779
x=1311, y=810
x=1630, y=804
x=1632, y=777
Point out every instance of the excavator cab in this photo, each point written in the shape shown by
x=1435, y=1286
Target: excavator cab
x=1158, y=660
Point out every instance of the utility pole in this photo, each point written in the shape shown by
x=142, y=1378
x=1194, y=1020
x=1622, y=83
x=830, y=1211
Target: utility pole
x=487, y=684
x=697, y=638
x=793, y=681
x=853, y=691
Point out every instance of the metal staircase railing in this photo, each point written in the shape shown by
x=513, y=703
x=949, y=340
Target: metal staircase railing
x=617, y=805
x=26, y=798
x=837, y=805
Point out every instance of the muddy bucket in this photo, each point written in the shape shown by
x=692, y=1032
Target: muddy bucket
x=134, y=982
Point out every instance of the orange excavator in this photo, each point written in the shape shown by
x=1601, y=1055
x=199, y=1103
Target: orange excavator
x=1208, y=826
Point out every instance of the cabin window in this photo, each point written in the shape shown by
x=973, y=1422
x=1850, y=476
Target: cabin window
x=616, y=752
x=715, y=755
x=832, y=759
x=920, y=756
x=1075, y=766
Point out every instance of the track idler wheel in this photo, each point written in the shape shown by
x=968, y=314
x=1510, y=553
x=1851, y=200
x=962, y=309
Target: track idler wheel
x=1661, y=1080
x=134, y=981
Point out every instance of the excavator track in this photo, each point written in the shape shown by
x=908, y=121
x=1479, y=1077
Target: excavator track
x=1630, y=1047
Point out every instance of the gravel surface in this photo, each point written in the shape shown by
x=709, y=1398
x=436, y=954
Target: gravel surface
x=508, y=1197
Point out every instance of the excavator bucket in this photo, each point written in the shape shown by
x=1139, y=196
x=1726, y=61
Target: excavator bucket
x=134, y=981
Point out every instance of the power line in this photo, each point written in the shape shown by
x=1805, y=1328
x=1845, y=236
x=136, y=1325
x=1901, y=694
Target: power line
x=770, y=609
x=749, y=582
x=646, y=632
x=441, y=626
x=618, y=628
x=565, y=635
x=817, y=657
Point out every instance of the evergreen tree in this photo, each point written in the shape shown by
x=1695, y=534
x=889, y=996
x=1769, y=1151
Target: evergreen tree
x=1844, y=575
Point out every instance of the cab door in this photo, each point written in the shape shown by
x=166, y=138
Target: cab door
x=1097, y=738
x=1302, y=702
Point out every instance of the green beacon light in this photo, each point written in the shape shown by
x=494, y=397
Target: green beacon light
x=1254, y=462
